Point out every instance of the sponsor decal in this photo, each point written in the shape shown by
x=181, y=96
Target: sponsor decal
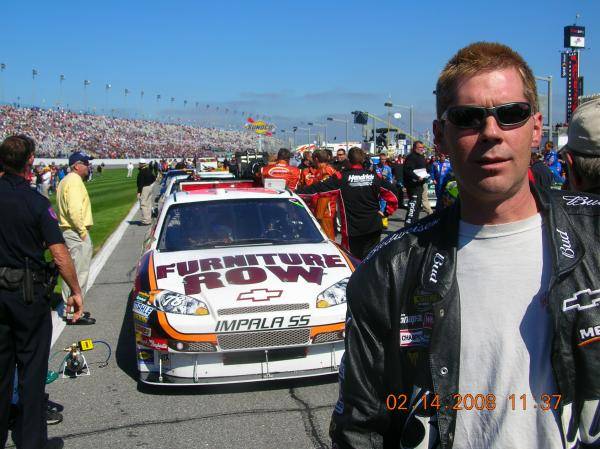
x=589, y=335
x=438, y=261
x=141, y=311
x=146, y=356
x=160, y=344
x=580, y=200
x=259, y=126
x=413, y=357
x=565, y=247
x=365, y=179
x=582, y=300
x=425, y=300
x=142, y=330
x=413, y=337
x=52, y=213
x=252, y=324
x=422, y=320
x=420, y=227
x=217, y=272
x=259, y=294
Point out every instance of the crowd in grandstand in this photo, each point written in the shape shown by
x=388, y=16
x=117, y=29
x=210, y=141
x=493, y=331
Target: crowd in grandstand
x=59, y=133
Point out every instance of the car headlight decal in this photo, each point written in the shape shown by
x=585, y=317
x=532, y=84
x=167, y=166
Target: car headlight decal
x=172, y=302
x=334, y=295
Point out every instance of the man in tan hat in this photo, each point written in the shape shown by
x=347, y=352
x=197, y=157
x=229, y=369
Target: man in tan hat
x=582, y=151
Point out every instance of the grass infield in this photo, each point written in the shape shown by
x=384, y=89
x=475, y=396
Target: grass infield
x=112, y=195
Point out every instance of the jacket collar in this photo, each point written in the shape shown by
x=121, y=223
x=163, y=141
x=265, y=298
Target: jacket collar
x=567, y=247
x=14, y=180
x=438, y=270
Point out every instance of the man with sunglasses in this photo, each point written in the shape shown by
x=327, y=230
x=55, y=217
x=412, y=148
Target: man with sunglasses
x=75, y=220
x=477, y=326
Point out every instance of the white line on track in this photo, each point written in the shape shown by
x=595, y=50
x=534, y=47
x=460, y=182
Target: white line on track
x=98, y=262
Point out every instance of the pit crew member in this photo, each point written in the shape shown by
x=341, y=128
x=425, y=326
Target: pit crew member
x=360, y=190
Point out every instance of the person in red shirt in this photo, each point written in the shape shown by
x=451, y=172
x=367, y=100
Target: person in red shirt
x=326, y=206
x=282, y=170
x=308, y=174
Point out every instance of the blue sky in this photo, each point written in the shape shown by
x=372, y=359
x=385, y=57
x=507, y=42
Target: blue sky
x=293, y=61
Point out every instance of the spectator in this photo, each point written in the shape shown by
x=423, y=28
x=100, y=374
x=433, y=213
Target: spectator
x=551, y=160
x=75, y=220
x=145, y=181
x=415, y=180
x=441, y=171
x=59, y=133
x=540, y=172
x=341, y=161
x=582, y=151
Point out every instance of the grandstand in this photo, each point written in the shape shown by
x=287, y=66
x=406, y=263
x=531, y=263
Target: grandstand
x=58, y=133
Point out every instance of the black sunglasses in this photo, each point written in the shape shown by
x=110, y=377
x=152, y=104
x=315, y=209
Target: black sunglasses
x=471, y=117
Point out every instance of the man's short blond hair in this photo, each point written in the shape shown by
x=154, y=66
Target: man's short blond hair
x=482, y=57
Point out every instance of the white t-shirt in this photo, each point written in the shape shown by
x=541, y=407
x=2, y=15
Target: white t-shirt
x=503, y=274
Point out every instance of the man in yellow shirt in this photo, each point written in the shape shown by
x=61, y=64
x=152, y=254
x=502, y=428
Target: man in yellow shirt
x=75, y=220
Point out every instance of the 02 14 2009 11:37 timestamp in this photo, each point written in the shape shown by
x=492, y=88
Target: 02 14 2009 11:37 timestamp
x=472, y=401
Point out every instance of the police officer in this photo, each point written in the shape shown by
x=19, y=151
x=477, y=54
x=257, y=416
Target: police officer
x=25, y=323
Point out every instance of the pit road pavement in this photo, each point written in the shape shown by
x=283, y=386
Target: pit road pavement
x=110, y=410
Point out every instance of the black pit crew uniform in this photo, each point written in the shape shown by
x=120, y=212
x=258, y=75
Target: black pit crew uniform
x=360, y=191
x=403, y=275
x=414, y=186
x=27, y=227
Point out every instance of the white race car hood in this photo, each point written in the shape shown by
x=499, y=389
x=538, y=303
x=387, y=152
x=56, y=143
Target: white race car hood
x=252, y=275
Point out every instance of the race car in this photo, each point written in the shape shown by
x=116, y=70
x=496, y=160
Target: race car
x=238, y=285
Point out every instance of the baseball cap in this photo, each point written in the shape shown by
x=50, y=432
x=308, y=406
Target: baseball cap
x=79, y=156
x=143, y=161
x=584, y=130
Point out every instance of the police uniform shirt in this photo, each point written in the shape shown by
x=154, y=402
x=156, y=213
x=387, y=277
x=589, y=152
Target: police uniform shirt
x=28, y=224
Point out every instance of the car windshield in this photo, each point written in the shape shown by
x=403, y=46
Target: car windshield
x=216, y=224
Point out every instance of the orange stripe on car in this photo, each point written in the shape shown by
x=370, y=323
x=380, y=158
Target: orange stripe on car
x=152, y=274
x=164, y=323
x=347, y=259
x=326, y=328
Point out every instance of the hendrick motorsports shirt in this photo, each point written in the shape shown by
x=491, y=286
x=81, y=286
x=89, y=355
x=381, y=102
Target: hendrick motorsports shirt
x=361, y=190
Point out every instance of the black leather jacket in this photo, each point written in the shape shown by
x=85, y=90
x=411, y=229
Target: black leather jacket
x=412, y=272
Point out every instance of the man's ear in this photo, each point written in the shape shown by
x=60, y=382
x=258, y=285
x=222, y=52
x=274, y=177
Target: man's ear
x=575, y=181
x=537, y=130
x=438, y=137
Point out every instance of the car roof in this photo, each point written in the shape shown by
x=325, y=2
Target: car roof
x=227, y=194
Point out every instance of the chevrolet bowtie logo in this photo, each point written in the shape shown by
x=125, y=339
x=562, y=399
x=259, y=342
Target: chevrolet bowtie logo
x=259, y=294
x=582, y=300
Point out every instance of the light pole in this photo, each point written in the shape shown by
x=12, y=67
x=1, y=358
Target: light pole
x=86, y=83
x=126, y=92
x=2, y=69
x=142, y=103
x=390, y=105
x=61, y=78
x=548, y=79
x=331, y=119
x=294, y=129
x=309, y=124
x=322, y=125
x=34, y=73
x=106, y=89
